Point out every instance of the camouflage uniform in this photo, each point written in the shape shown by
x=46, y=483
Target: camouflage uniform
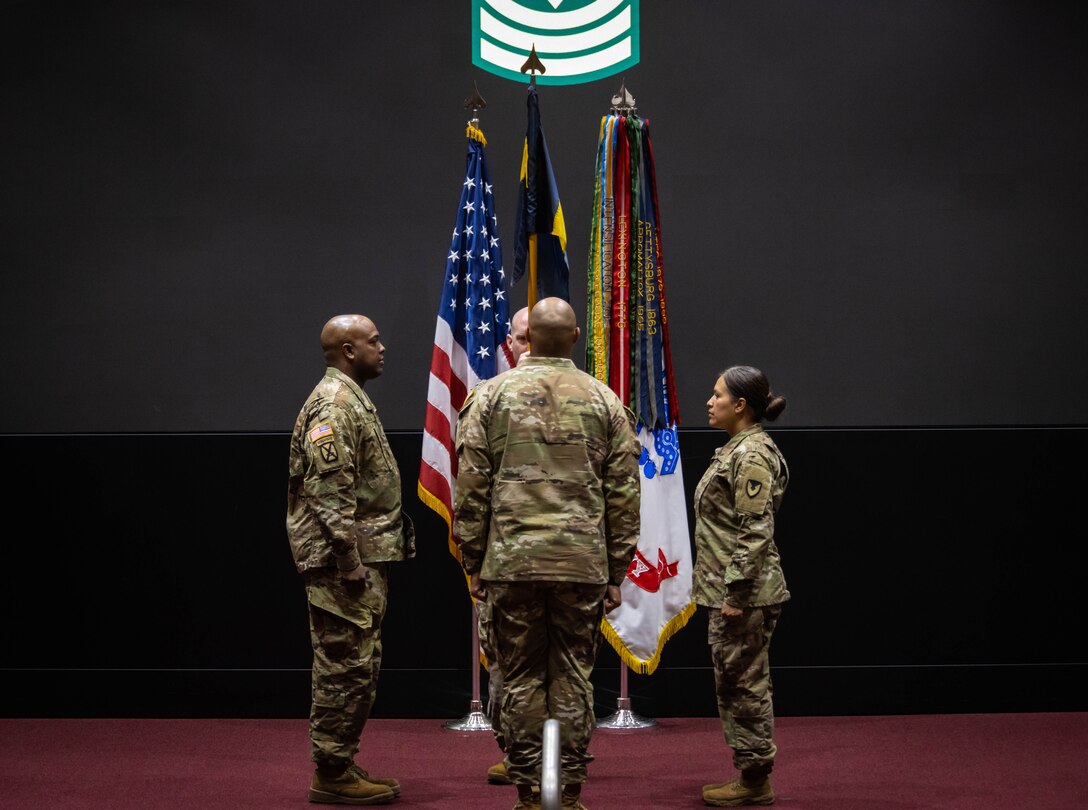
x=343, y=510
x=488, y=645
x=737, y=563
x=547, y=510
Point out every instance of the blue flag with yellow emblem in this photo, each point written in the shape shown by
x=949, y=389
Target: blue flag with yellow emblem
x=540, y=246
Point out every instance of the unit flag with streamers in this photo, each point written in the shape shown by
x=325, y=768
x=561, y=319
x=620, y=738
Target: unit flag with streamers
x=627, y=347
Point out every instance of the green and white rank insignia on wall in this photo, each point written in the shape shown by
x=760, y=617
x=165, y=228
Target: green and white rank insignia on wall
x=577, y=40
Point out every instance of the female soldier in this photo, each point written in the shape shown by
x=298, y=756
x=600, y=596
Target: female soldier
x=738, y=576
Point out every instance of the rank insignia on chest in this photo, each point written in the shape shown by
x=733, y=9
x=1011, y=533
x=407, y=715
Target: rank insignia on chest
x=322, y=431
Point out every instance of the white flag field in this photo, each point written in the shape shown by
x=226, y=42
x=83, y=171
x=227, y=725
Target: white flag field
x=627, y=347
x=657, y=589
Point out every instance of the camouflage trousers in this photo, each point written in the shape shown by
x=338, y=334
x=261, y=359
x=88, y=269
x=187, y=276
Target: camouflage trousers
x=486, y=630
x=345, y=633
x=740, y=650
x=546, y=636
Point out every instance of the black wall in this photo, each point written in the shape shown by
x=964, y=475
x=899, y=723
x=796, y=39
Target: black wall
x=881, y=203
x=931, y=571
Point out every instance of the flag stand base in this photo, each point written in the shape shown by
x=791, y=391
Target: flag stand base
x=475, y=720
x=624, y=718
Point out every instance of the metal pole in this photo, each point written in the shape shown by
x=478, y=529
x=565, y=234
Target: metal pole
x=550, y=787
x=624, y=718
x=475, y=720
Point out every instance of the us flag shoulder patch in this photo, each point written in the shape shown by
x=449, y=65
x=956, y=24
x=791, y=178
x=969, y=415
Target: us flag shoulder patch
x=322, y=431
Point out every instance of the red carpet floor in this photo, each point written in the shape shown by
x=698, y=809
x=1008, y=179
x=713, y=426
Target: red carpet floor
x=967, y=762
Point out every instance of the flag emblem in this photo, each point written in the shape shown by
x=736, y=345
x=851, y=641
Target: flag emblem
x=649, y=577
x=577, y=40
x=322, y=431
x=540, y=247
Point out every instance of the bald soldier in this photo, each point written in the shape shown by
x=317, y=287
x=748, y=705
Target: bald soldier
x=518, y=337
x=547, y=509
x=345, y=525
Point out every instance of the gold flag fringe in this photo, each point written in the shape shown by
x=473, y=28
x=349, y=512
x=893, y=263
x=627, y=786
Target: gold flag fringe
x=437, y=505
x=636, y=664
x=475, y=134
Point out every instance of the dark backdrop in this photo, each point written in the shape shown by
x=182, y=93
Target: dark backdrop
x=880, y=203
x=931, y=571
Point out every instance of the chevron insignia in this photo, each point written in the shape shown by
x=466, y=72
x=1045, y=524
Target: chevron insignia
x=576, y=40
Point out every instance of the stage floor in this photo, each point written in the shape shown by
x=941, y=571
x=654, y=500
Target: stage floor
x=966, y=762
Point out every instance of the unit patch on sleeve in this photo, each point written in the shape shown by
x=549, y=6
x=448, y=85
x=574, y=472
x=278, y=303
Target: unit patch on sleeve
x=753, y=488
x=326, y=444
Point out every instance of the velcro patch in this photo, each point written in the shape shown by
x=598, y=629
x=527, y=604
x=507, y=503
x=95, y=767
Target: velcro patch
x=753, y=488
x=322, y=431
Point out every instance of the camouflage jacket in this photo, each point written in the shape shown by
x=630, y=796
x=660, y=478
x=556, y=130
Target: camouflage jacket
x=736, y=559
x=547, y=483
x=343, y=489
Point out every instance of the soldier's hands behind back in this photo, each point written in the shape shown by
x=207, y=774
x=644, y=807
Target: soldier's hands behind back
x=476, y=588
x=612, y=598
x=357, y=574
x=729, y=612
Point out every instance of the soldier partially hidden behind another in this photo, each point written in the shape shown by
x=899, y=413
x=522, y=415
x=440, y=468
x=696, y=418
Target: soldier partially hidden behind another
x=344, y=522
x=547, y=510
x=518, y=343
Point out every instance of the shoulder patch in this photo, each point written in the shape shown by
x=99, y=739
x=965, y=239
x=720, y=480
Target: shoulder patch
x=465, y=405
x=753, y=488
x=326, y=446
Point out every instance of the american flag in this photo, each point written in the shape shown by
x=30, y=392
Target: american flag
x=470, y=334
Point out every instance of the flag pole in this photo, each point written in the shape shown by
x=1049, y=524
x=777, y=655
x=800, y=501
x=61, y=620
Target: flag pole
x=623, y=103
x=532, y=66
x=475, y=720
x=532, y=272
x=624, y=719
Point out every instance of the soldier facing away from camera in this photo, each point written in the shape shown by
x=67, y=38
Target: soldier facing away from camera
x=547, y=509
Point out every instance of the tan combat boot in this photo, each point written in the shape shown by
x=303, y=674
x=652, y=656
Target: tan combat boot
x=528, y=799
x=388, y=781
x=572, y=798
x=347, y=788
x=497, y=774
x=748, y=789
